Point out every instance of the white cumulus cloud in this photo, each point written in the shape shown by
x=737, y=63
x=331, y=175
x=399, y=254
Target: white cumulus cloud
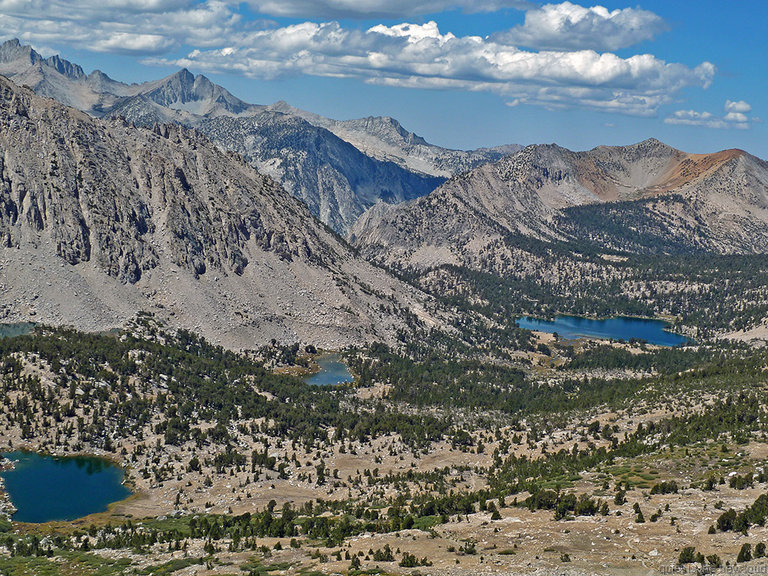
x=568, y=26
x=377, y=8
x=221, y=38
x=737, y=106
x=144, y=27
x=421, y=56
x=735, y=117
x=129, y=43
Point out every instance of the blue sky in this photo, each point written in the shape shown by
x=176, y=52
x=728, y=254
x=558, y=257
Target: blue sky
x=460, y=73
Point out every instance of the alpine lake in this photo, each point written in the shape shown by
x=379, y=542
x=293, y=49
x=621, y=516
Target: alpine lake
x=16, y=329
x=332, y=372
x=47, y=488
x=619, y=328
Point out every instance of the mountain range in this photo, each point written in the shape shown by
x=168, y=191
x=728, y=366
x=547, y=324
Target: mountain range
x=339, y=169
x=100, y=220
x=385, y=139
x=175, y=197
x=644, y=198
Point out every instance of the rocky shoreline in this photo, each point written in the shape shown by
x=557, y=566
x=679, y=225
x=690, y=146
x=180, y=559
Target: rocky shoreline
x=7, y=509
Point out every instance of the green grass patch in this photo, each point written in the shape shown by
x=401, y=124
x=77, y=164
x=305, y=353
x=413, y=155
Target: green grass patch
x=255, y=568
x=561, y=481
x=180, y=524
x=426, y=522
x=170, y=567
x=28, y=566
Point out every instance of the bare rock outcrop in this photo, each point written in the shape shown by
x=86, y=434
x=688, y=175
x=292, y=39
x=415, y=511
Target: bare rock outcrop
x=100, y=219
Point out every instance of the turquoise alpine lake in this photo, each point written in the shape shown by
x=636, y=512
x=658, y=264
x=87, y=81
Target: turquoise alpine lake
x=620, y=328
x=17, y=329
x=45, y=488
x=332, y=372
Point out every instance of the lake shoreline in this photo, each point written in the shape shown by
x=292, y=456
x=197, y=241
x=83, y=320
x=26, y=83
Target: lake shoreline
x=311, y=359
x=653, y=331
x=7, y=508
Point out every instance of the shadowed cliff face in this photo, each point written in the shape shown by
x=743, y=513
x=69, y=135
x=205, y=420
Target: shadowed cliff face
x=331, y=176
x=384, y=138
x=162, y=219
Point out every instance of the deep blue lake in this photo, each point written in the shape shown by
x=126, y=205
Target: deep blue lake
x=332, y=371
x=46, y=488
x=620, y=328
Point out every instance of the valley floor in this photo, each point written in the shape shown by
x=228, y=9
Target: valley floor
x=377, y=478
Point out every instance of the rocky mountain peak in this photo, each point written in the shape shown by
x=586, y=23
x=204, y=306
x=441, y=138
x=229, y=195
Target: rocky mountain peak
x=282, y=106
x=652, y=147
x=184, y=77
x=387, y=128
x=100, y=83
x=195, y=94
x=65, y=67
x=178, y=88
x=12, y=51
x=98, y=75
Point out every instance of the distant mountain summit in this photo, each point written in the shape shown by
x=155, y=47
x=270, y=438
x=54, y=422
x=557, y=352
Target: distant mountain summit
x=13, y=53
x=97, y=94
x=197, y=94
x=385, y=138
x=60, y=79
x=339, y=169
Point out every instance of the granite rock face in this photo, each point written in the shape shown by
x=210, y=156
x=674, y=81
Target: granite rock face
x=100, y=219
x=333, y=178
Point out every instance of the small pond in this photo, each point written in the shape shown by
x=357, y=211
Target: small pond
x=332, y=371
x=16, y=329
x=620, y=328
x=45, y=488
